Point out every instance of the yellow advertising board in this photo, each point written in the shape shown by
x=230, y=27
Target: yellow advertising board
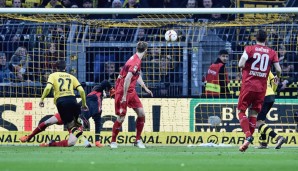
x=165, y=115
x=149, y=138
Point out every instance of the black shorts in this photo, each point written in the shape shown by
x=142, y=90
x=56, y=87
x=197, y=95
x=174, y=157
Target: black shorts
x=68, y=108
x=94, y=105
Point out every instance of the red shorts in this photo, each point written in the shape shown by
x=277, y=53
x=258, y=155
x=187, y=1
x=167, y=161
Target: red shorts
x=251, y=98
x=132, y=101
x=60, y=122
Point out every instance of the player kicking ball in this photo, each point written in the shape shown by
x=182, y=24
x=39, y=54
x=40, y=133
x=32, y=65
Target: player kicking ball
x=94, y=102
x=255, y=63
x=126, y=95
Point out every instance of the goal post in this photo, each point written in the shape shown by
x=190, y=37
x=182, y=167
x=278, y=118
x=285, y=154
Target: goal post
x=96, y=48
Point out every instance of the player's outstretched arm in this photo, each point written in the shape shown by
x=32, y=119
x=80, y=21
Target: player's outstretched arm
x=141, y=82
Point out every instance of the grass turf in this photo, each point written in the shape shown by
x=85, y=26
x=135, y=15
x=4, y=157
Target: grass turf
x=33, y=158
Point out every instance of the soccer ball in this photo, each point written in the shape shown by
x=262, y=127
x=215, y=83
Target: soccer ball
x=171, y=36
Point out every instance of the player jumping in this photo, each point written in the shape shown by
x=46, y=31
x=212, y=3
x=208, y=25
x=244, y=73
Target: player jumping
x=255, y=63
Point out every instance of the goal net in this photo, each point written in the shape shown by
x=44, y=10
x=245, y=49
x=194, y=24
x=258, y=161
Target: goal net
x=96, y=47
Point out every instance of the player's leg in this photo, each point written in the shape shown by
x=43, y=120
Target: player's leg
x=69, y=111
x=41, y=127
x=256, y=100
x=75, y=133
x=140, y=121
x=120, y=109
x=267, y=104
x=245, y=100
x=252, y=121
x=115, y=130
x=135, y=103
x=97, y=122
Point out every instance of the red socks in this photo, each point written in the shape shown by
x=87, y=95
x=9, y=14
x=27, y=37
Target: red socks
x=41, y=127
x=116, y=129
x=139, y=126
x=244, y=123
x=63, y=143
x=252, y=124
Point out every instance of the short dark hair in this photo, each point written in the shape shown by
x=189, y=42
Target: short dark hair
x=223, y=52
x=104, y=85
x=61, y=65
x=142, y=46
x=261, y=36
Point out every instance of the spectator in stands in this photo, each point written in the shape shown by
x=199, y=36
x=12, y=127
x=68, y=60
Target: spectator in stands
x=54, y=4
x=285, y=59
x=16, y=4
x=68, y=3
x=32, y=3
x=141, y=35
x=5, y=74
x=74, y=6
x=216, y=16
x=2, y=3
x=205, y=4
x=19, y=62
x=191, y=4
x=52, y=55
x=87, y=4
x=109, y=73
x=116, y=4
x=167, y=75
x=217, y=77
x=131, y=4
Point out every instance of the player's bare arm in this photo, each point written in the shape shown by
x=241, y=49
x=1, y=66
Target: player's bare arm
x=141, y=82
x=45, y=93
x=243, y=60
x=83, y=97
x=127, y=82
x=278, y=69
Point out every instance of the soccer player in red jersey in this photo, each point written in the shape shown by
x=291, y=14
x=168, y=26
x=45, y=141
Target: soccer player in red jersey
x=255, y=63
x=126, y=95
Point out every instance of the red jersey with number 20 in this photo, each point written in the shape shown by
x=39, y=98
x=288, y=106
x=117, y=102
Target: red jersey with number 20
x=257, y=67
x=132, y=65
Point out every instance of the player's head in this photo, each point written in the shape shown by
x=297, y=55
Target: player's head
x=61, y=65
x=223, y=55
x=261, y=36
x=142, y=47
x=104, y=85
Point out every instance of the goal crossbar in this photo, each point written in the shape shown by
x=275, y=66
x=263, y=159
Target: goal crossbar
x=146, y=10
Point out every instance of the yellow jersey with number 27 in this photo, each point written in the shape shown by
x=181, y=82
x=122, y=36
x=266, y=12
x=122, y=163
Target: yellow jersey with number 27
x=63, y=83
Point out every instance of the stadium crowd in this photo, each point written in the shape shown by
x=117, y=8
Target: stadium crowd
x=28, y=51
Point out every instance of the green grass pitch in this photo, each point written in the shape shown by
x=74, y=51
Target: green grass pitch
x=153, y=158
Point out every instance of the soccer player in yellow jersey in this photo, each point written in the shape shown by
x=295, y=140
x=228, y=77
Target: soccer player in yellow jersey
x=66, y=103
x=264, y=129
